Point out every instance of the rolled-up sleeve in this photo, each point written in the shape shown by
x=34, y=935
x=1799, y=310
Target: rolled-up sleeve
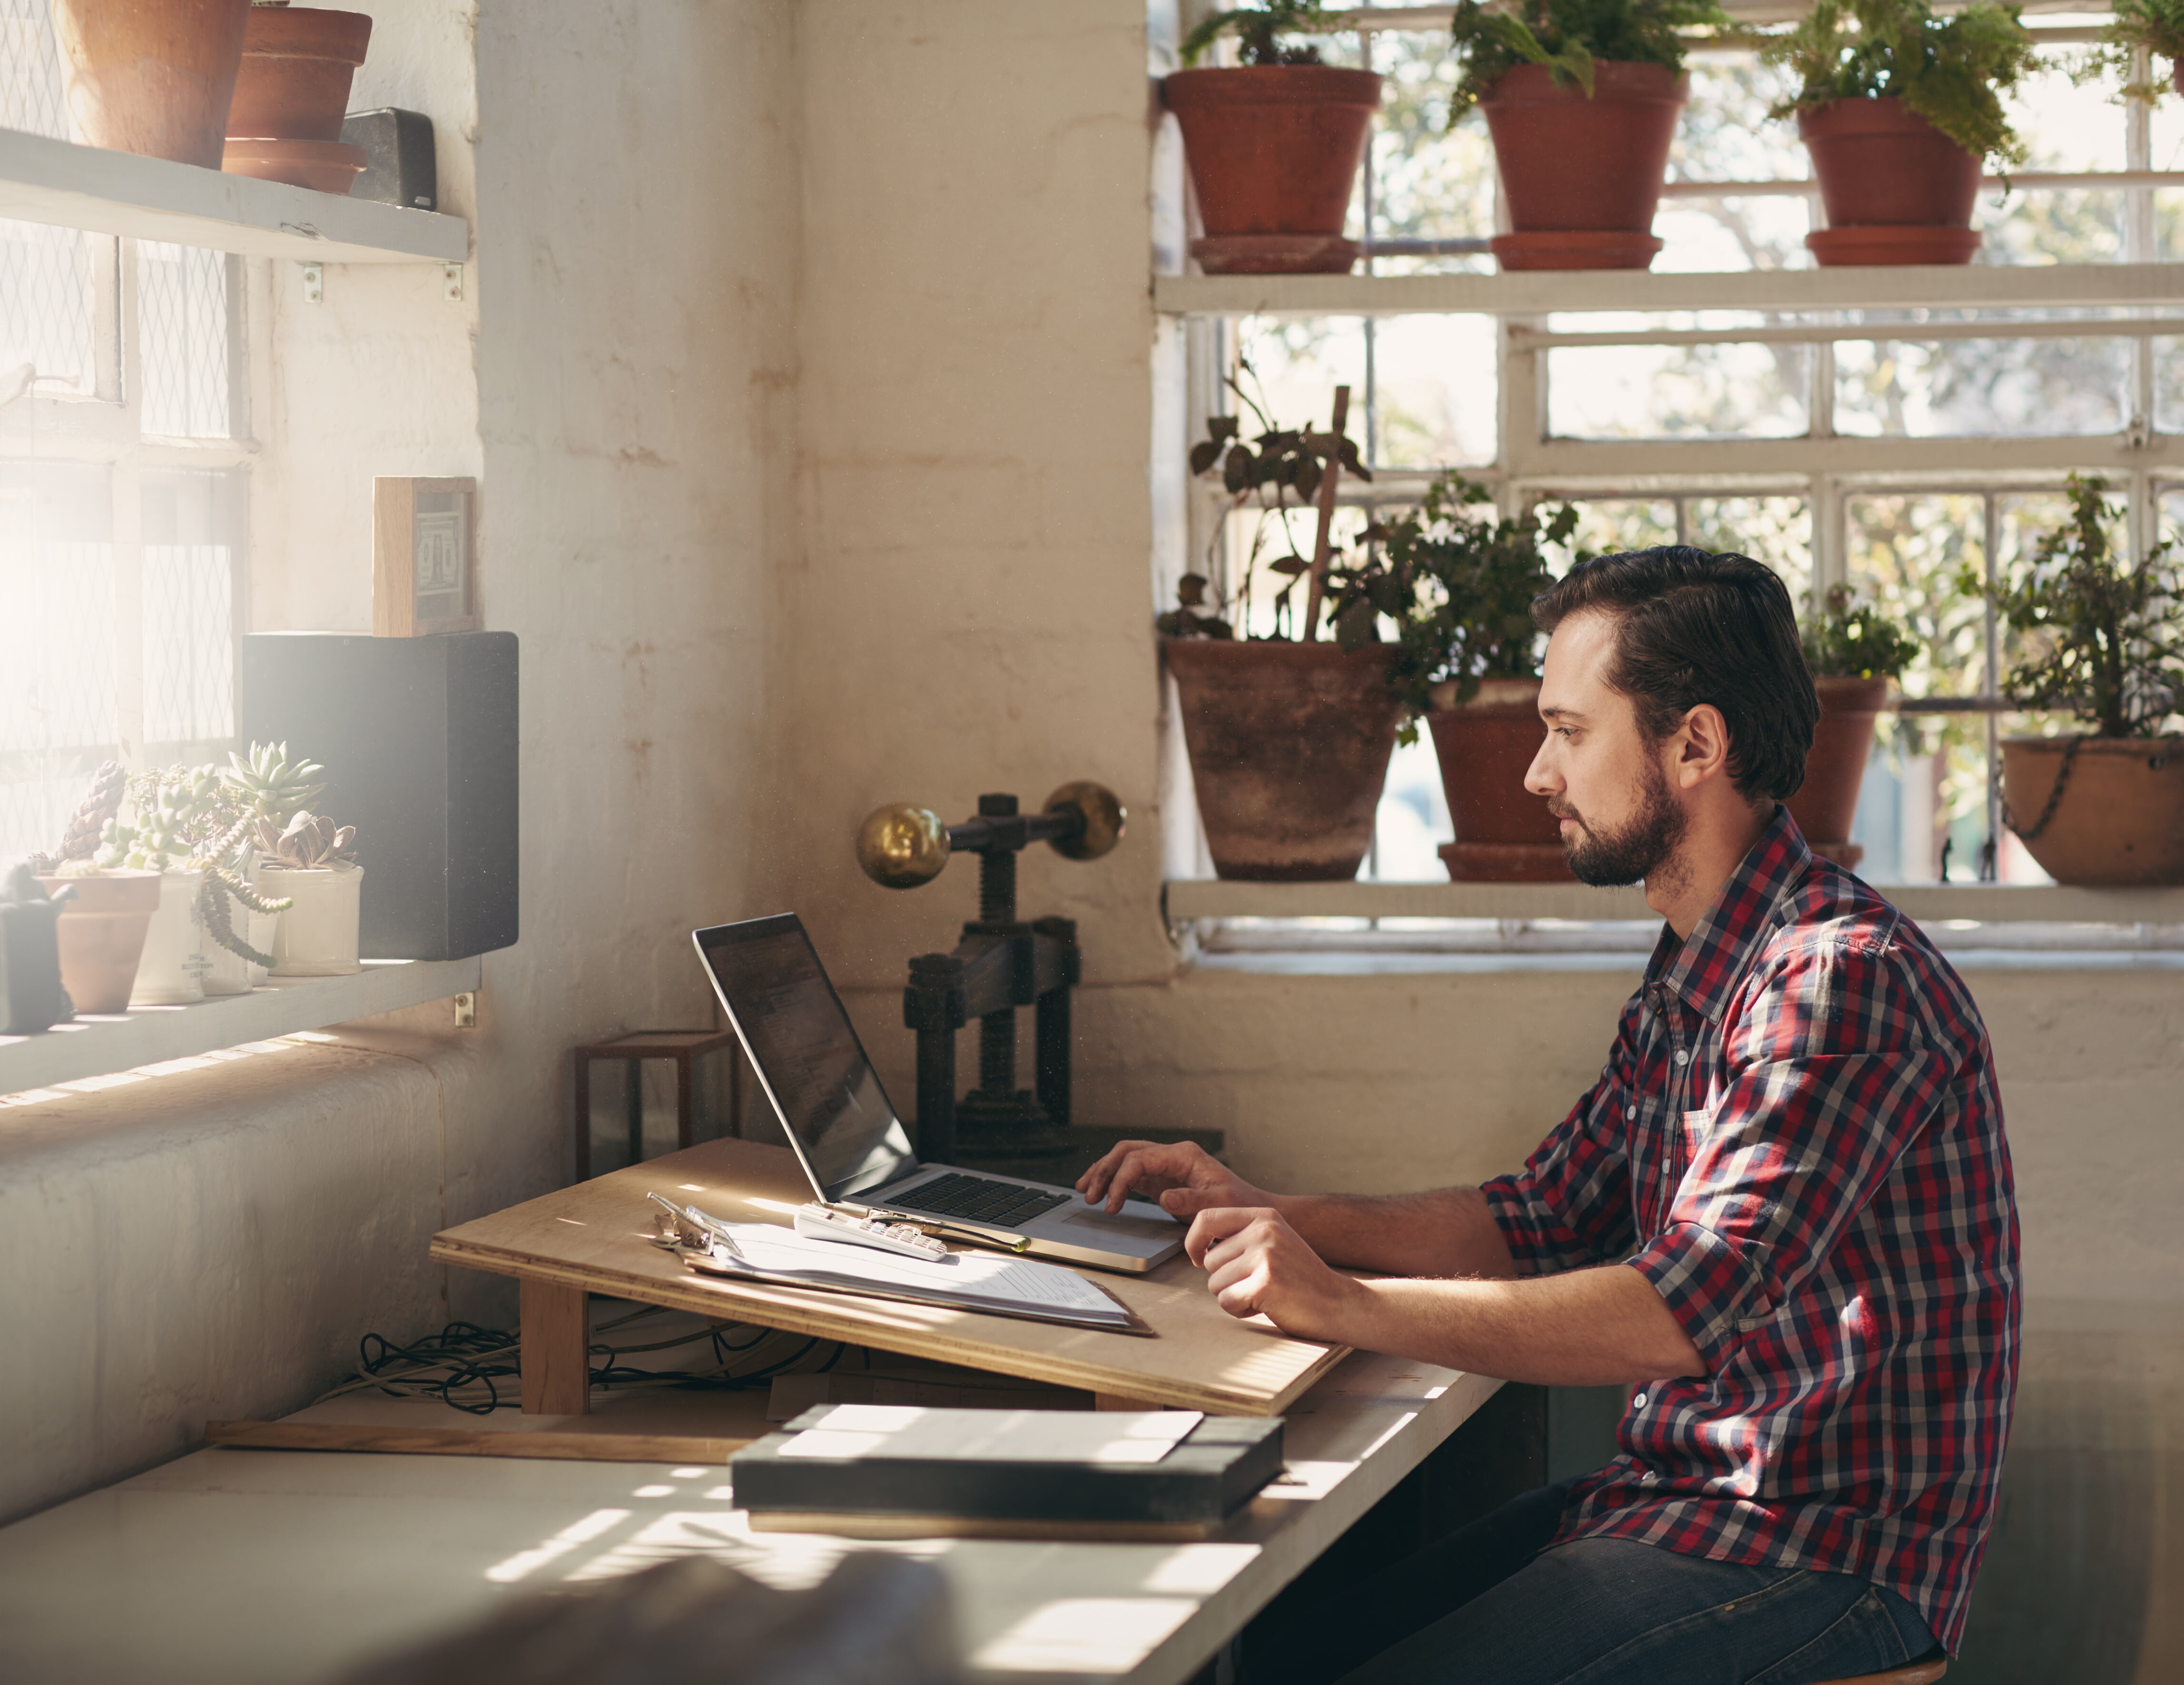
x=1570, y=1205
x=1828, y=1078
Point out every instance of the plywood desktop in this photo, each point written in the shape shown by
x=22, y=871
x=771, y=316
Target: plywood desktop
x=595, y=1238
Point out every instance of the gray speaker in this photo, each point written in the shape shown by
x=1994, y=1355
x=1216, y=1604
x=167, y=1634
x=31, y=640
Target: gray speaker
x=401, y=163
x=418, y=736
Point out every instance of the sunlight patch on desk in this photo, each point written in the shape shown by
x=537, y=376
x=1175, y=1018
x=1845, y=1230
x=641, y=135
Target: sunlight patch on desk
x=789, y=1562
x=527, y=1563
x=1388, y=1433
x=1306, y=1480
x=1084, y=1635
x=1198, y=1570
x=653, y=1492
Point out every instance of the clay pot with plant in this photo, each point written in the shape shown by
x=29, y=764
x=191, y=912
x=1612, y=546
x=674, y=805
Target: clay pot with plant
x=290, y=95
x=1900, y=108
x=1581, y=99
x=2101, y=641
x=153, y=76
x=1854, y=649
x=311, y=861
x=1289, y=734
x=103, y=922
x=1469, y=665
x=1273, y=144
x=2155, y=27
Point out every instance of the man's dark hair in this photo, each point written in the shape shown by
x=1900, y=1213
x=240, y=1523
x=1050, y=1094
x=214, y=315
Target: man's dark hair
x=1692, y=626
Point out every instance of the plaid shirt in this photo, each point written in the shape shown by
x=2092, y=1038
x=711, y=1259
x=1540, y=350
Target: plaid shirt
x=1796, y=1140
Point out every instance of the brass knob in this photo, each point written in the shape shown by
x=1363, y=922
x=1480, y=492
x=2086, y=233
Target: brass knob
x=902, y=846
x=1104, y=819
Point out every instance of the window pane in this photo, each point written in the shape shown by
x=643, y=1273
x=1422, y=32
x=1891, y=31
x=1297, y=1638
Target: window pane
x=1430, y=182
x=192, y=541
x=1972, y=387
x=183, y=306
x=2168, y=385
x=2064, y=128
x=1606, y=525
x=1413, y=822
x=58, y=706
x=30, y=96
x=1435, y=391
x=1724, y=136
x=1677, y=391
x=1293, y=369
x=1775, y=530
x=46, y=296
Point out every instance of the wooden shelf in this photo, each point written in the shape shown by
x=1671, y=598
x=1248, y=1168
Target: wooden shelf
x=47, y=181
x=1574, y=292
x=96, y=1046
x=1930, y=903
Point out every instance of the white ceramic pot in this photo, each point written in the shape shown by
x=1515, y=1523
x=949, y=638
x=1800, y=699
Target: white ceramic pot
x=171, y=972
x=227, y=973
x=316, y=936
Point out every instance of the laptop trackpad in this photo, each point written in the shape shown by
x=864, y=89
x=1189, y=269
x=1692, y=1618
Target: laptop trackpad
x=1161, y=1228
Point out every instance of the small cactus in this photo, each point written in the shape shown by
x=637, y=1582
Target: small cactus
x=81, y=840
x=310, y=840
x=269, y=785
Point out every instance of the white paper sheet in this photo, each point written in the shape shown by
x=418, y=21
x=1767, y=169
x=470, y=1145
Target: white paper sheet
x=995, y=1436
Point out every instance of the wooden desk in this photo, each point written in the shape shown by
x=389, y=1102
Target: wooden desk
x=594, y=1238
x=280, y=1566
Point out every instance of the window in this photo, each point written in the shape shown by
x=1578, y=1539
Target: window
x=1888, y=448
x=123, y=448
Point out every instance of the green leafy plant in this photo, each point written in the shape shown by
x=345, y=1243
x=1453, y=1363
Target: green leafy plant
x=187, y=819
x=1568, y=36
x=270, y=786
x=2156, y=25
x=310, y=840
x=1857, y=639
x=1257, y=30
x=1460, y=587
x=2099, y=639
x=1950, y=71
x=1278, y=471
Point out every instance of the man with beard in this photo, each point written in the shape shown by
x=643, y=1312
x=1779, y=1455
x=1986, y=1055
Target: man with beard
x=1783, y=1217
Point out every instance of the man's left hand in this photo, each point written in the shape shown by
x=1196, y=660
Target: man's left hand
x=1256, y=1263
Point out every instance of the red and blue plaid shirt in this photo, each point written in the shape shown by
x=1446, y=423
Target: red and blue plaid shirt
x=1796, y=1140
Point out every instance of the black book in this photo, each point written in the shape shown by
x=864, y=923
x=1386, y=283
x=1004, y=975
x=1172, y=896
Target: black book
x=1165, y=1468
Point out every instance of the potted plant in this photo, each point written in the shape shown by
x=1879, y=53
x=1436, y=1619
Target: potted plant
x=1853, y=650
x=1273, y=144
x=2104, y=642
x=290, y=95
x=1581, y=98
x=1468, y=664
x=153, y=77
x=103, y=923
x=309, y=862
x=2155, y=26
x=1899, y=107
x=1289, y=734
x=263, y=785
x=169, y=815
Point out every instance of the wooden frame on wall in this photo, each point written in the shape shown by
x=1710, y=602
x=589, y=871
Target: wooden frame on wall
x=424, y=556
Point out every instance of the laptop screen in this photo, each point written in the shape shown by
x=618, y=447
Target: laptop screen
x=808, y=1056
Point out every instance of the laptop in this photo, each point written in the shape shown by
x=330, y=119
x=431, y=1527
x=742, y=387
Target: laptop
x=845, y=1134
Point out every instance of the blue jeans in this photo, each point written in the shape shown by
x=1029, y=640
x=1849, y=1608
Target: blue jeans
x=1491, y=1604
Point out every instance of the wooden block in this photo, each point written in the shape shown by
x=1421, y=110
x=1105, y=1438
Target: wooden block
x=594, y=1236
x=455, y=1441
x=555, y=1328
x=424, y=560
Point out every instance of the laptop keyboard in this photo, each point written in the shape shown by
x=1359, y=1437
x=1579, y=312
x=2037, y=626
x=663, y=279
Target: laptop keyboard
x=1003, y=1205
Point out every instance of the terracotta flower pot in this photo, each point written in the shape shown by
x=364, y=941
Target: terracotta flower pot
x=1504, y=833
x=151, y=76
x=1896, y=189
x=1288, y=751
x=291, y=95
x=2120, y=819
x=1581, y=177
x=1273, y=151
x=101, y=935
x=1826, y=803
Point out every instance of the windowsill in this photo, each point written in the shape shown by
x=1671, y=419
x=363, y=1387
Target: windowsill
x=90, y=1048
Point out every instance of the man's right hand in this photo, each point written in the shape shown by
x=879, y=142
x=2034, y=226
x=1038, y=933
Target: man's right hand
x=1187, y=1178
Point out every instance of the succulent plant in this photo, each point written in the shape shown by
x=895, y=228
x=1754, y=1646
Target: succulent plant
x=310, y=840
x=81, y=840
x=268, y=784
x=188, y=818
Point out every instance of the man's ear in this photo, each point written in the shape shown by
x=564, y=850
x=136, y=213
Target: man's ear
x=1702, y=750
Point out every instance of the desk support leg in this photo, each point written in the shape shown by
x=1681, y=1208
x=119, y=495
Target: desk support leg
x=555, y=1330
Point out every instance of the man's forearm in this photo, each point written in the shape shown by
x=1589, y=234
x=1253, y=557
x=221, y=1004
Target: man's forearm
x=1598, y=1327
x=1448, y=1232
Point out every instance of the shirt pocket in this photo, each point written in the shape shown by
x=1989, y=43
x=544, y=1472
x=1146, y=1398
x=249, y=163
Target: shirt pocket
x=1692, y=1131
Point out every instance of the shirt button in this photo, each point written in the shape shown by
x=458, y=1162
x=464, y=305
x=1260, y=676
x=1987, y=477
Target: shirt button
x=1638, y=1403
x=1629, y=1110
x=1683, y=1057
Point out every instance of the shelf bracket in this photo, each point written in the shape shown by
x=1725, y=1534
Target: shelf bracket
x=451, y=283
x=314, y=282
